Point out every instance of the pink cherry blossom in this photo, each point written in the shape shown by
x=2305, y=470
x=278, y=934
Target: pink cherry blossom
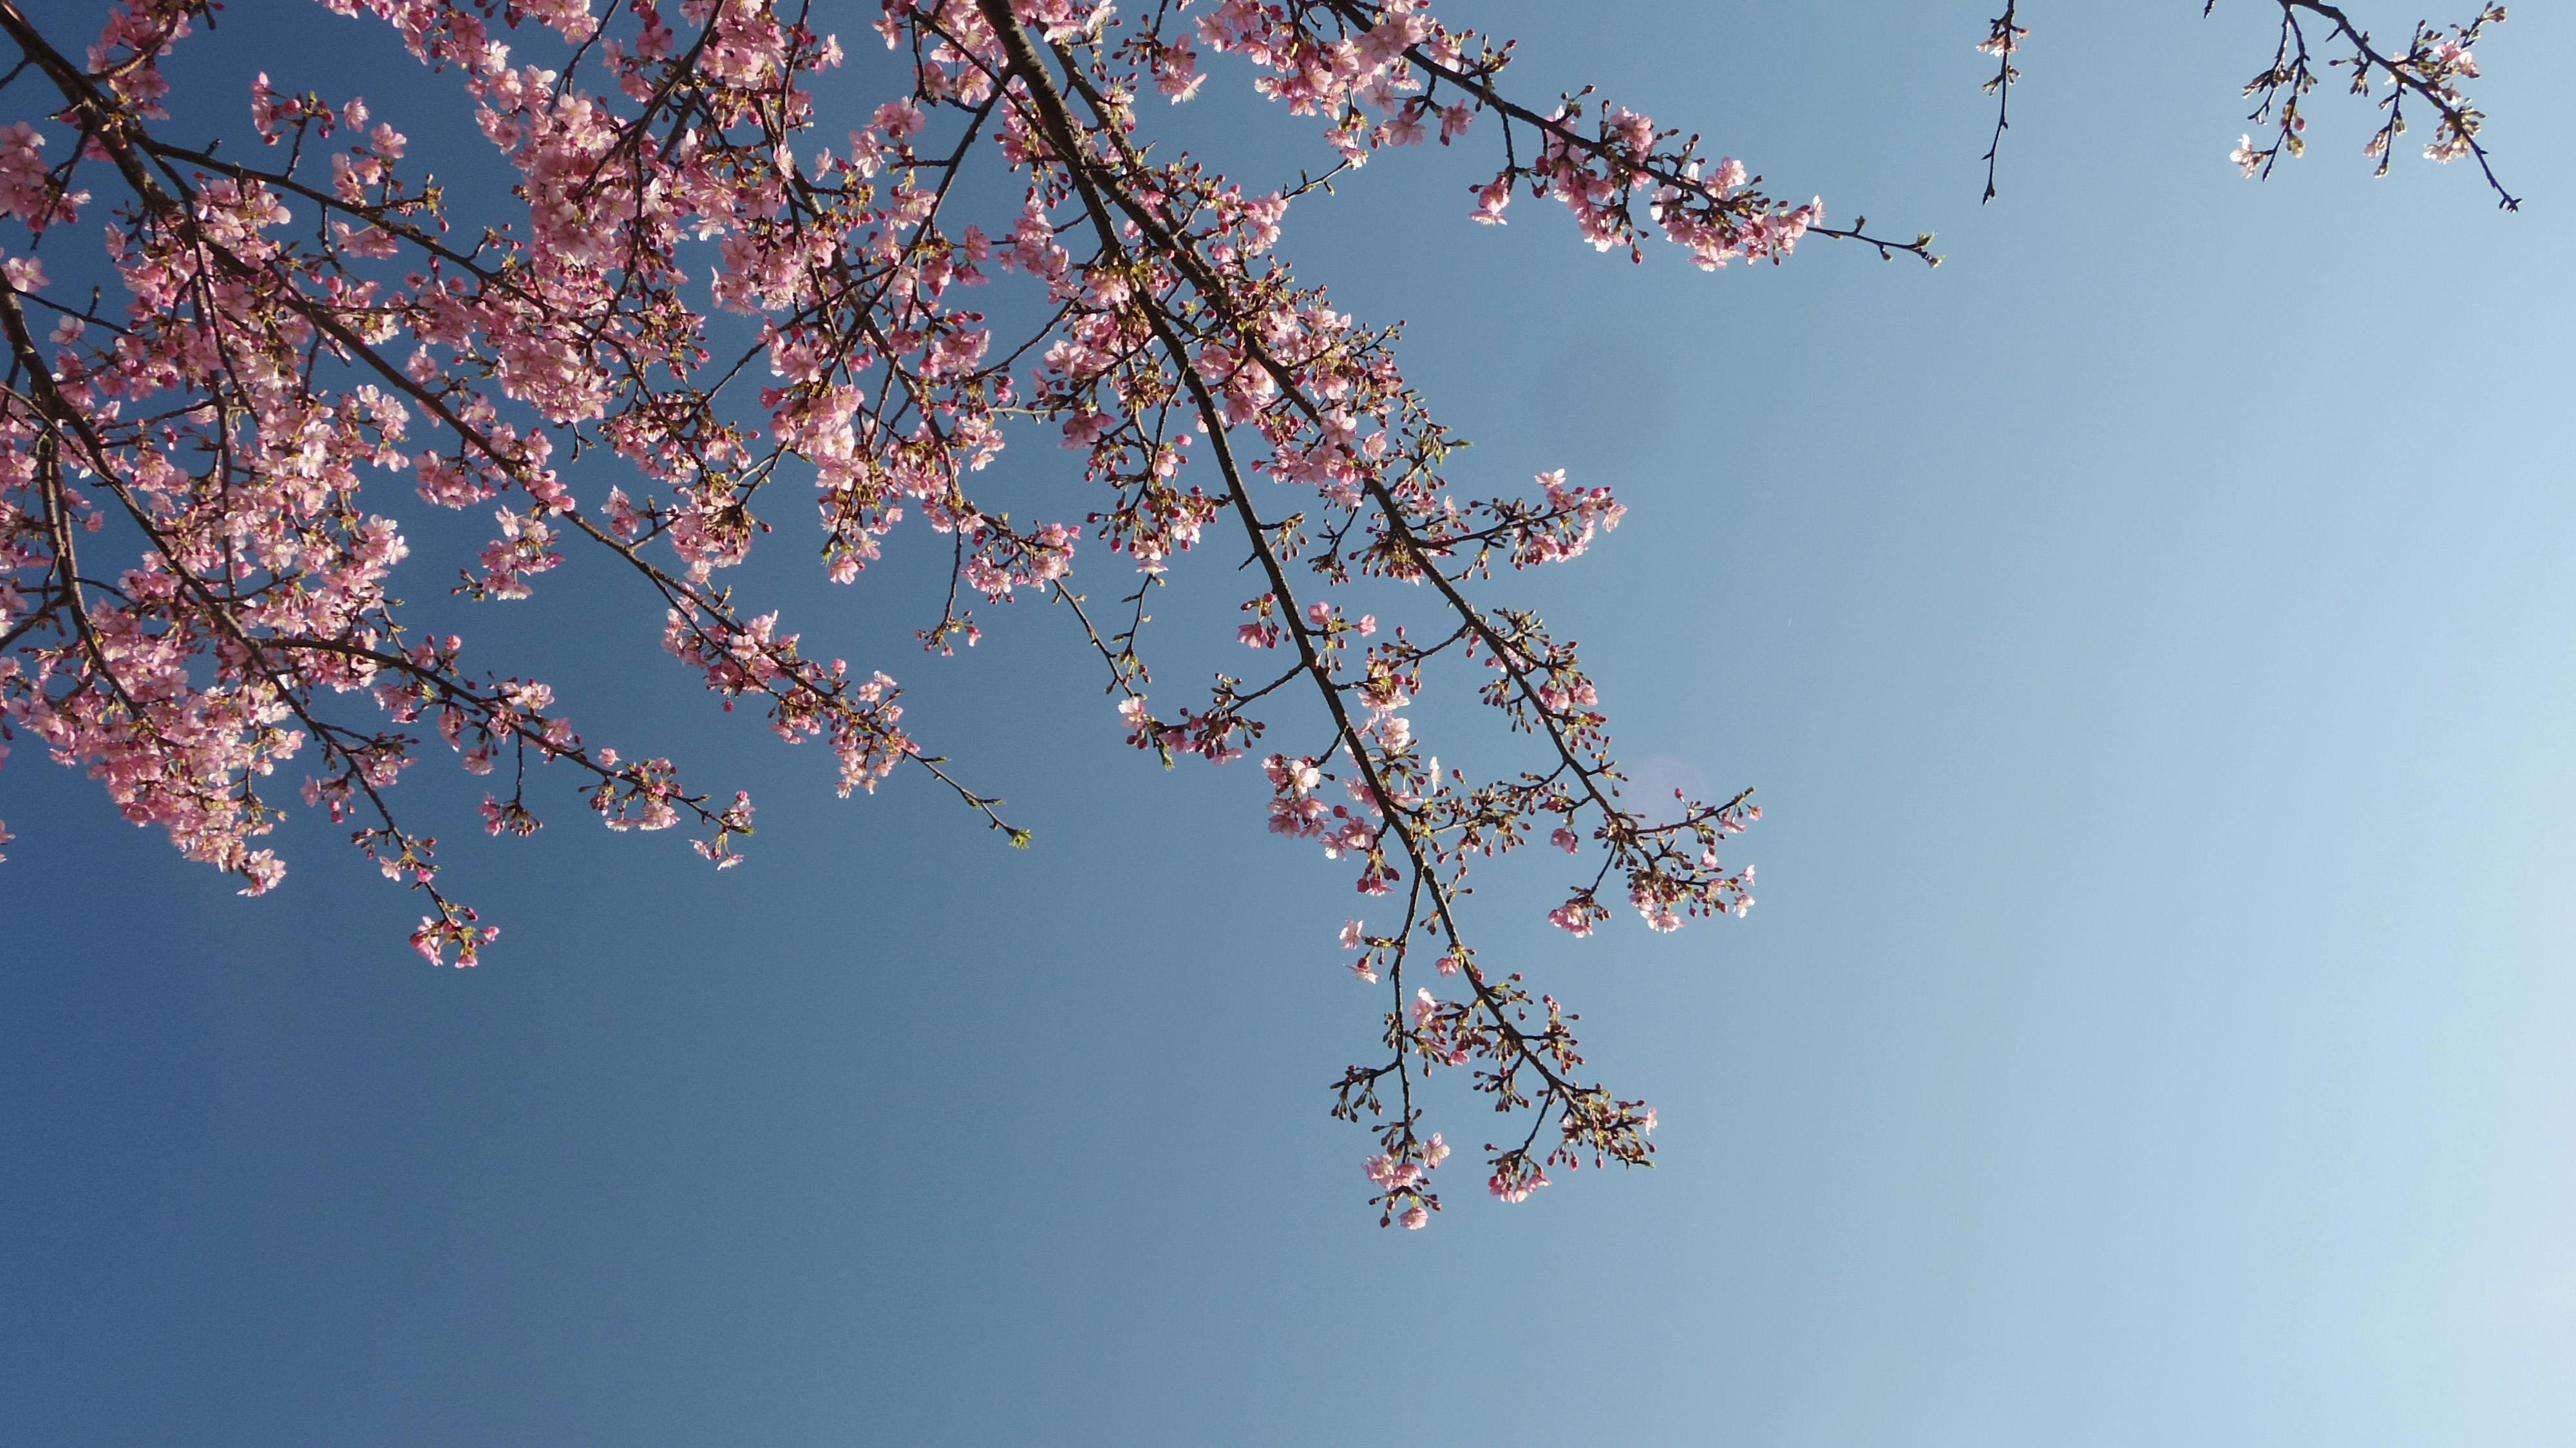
x=736, y=320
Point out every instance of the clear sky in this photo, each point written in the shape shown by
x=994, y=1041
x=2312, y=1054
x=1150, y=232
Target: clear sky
x=2153, y=636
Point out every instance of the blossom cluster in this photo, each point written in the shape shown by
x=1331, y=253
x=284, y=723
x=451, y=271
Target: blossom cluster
x=2428, y=71
x=297, y=339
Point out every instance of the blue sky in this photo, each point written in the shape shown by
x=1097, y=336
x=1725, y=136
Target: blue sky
x=2152, y=635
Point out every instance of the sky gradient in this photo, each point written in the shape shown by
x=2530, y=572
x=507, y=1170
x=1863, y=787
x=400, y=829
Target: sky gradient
x=2153, y=636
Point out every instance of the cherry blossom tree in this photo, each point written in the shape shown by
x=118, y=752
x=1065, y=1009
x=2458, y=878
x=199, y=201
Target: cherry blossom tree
x=193, y=576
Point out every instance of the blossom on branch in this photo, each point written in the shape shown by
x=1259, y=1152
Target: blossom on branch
x=297, y=333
